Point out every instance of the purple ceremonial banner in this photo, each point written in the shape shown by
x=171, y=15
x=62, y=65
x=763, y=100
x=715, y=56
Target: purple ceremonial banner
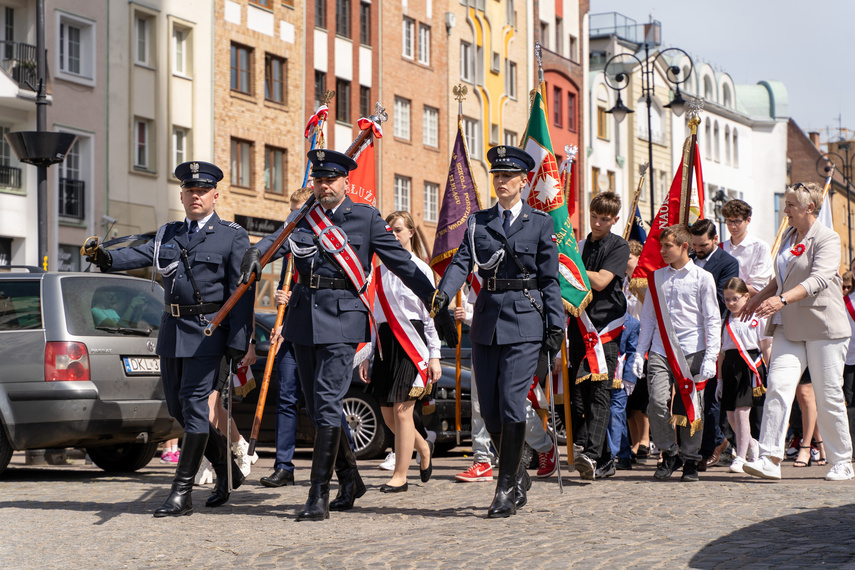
x=459, y=201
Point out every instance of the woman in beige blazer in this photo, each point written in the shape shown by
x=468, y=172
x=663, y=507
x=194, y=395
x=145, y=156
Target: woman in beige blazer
x=808, y=325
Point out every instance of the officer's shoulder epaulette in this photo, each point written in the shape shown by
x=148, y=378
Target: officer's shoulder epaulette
x=233, y=225
x=357, y=205
x=539, y=213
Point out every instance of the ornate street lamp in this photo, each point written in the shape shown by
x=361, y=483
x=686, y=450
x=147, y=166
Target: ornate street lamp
x=617, y=73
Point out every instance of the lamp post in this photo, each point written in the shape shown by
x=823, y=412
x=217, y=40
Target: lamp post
x=617, y=72
x=718, y=202
x=41, y=148
x=844, y=166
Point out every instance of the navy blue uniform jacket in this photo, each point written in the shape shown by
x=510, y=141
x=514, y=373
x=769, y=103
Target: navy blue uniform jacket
x=723, y=267
x=508, y=317
x=214, y=255
x=330, y=316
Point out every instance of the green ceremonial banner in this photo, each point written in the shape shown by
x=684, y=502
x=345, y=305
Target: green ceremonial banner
x=543, y=192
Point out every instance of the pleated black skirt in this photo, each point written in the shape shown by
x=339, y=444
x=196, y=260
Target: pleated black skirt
x=392, y=377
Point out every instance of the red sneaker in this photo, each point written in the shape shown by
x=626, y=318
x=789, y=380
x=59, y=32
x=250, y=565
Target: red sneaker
x=547, y=463
x=478, y=472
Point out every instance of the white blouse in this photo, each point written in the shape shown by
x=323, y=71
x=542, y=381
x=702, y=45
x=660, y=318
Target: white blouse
x=750, y=334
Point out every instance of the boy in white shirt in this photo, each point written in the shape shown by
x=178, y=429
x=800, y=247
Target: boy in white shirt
x=753, y=254
x=681, y=329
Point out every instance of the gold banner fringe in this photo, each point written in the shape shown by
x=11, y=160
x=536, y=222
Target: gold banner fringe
x=759, y=391
x=696, y=425
x=617, y=384
x=576, y=311
x=593, y=377
x=678, y=421
x=246, y=388
x=419, y=392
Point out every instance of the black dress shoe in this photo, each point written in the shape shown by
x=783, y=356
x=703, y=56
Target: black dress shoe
x=623, y=464
x=279, y=478
x=426, y=473
x=384, y=488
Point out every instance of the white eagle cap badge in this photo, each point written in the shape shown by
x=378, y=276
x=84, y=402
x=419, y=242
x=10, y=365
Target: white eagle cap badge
x=502, y=151
x=321, y=154
x=194, y=168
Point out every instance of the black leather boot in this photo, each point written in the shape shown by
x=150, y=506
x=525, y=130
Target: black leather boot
x=523, y=484
x=510, y=454
x=217, y=453
x=323, y=458
x=179, y=501
x=350, y=485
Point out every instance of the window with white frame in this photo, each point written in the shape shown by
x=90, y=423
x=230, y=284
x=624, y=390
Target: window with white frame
x=142, y=39
x=473, y=140
x=431, y=199
x=510, y=138
x=402, y=118
x=76, y=49
x=511, y=79
x=467, y=62
x=408, y=37
x=241, y=163
x=179, y=146
x=142, y=144
x=430, y=126
x=424, y=44
x=403, y=185
x=179, y=51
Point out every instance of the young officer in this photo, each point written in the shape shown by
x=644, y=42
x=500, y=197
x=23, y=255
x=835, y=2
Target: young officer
x=514, y=249
x=199, y=259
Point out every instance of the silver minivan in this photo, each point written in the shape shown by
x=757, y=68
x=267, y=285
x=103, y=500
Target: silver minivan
x=78, y=367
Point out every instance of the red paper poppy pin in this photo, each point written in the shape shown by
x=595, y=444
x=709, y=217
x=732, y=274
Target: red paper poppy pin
x=798, y=250
x=754, y=323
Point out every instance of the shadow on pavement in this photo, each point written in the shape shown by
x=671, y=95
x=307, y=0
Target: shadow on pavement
x=818, y=536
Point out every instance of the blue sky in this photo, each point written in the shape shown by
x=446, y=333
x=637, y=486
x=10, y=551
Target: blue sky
x=806, y=45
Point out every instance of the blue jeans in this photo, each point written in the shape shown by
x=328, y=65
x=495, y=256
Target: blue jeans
x=618, y=434
x=286, y=407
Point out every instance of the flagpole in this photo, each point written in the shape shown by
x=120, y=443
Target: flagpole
x=631, y=213
x=459, y=92
x=689, y=162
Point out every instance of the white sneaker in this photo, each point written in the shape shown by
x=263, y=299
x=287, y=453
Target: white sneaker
x=840, y=471
x=205, y=475
x=763, y=467
x=388, y=463
x=736, y=465
x=753, y=450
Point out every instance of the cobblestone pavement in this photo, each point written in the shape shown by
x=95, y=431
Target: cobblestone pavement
x=77, y=515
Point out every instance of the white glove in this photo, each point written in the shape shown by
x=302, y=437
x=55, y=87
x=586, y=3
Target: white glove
x=628, y=387
x=638, y=365
x=708, y=369
x=718, y=389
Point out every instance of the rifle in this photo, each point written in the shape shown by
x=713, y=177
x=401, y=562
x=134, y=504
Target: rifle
x=268, y=367
x=286, y=231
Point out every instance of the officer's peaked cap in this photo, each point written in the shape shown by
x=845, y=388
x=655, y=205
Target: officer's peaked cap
x=329, y=163
x=504, y=158
x=198, y=174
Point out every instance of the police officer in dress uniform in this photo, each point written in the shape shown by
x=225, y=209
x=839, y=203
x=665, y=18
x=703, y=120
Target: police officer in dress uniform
x=326, y=318
x=199, y=259
x=514, y=249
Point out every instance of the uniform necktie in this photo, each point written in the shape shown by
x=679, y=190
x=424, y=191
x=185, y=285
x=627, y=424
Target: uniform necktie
x=506, y=223
x=194, y=227
x=328, y=214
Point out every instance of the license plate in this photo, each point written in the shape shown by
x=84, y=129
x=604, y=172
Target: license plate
x=146, y=365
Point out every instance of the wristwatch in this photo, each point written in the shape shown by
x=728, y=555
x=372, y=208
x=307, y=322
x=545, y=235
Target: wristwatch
x=784, y=301
x=252, y=340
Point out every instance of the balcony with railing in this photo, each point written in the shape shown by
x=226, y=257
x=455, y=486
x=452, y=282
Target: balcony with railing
x=10, y=177
x=71, y=194
x=19, y=60
x=616, y=24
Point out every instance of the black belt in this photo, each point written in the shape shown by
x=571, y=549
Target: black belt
x=320, y=282
x=494, y=284
x=193, y=310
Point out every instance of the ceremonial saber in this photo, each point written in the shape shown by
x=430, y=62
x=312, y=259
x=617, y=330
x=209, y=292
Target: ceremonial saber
x=777, y=245
x=271, y=251
x=231, y=362
x=568, y=424
x=550, y=363
x=271, y=356
x=631, y=214
x=458, y=402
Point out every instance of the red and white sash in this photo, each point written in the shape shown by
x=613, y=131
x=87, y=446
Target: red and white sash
x=594, y=341
x=847, y=299
x=686, y=408
x=757, y=386
x=405, y=333
x=334, y=241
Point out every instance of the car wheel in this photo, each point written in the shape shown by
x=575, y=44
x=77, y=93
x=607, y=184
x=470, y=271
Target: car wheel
x=123, y=456
x=5, y=450
x=366, y=424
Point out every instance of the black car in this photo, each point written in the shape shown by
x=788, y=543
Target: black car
x=370, y=435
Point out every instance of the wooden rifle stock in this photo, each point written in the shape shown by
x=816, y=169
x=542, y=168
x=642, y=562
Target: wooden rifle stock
x=271, y=356
x=265, y=259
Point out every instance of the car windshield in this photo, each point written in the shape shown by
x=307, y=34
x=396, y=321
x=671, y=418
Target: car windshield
x=95, y=306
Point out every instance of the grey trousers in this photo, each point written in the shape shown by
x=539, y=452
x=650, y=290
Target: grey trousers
x=659, y=383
